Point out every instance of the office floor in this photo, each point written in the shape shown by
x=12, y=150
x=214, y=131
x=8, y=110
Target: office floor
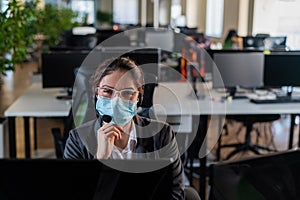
x=14, y=84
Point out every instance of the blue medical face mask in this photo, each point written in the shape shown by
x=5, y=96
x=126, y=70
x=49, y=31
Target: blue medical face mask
x=121, y=111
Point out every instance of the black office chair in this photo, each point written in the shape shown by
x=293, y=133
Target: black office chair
x=272, y=176
x=72, y=41
x=192, y=165
x=248, y=122
x=147, y=101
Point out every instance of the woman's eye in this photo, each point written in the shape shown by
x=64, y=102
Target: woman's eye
x=108, y=91
x=127, y=93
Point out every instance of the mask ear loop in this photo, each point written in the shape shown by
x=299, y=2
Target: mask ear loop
x=95, y=102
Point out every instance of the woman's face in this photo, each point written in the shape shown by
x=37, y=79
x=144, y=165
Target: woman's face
x=122, y=85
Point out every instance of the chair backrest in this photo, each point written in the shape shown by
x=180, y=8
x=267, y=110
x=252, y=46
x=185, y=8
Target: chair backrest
x=82, y=109
x=83, y=99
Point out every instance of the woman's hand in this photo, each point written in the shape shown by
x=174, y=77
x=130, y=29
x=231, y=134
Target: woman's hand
x=107, y=135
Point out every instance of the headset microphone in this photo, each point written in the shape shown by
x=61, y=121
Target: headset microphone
x=106, y=119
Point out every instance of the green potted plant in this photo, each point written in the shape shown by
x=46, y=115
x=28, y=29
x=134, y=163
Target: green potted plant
x=15, y=34
x=21, y=23
x=51, y=21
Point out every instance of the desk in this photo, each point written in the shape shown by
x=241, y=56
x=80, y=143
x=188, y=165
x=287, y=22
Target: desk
x=175, y=100
x=35, y=102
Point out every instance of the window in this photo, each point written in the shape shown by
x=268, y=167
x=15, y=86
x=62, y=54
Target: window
x=214, y=18
x=85, y=9
x=175, y=9
x=278, y=18
x=125, y=11
x=3, y=5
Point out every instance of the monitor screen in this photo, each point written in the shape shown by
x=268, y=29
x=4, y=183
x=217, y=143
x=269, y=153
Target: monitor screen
x=147, y=58
x=58, y=67
x=83, y=179
x=105, y=34
x=261, y=43
x=249, y=42
x=275, y=42
x=273, y=176
x=282, y=69
x=233, y=69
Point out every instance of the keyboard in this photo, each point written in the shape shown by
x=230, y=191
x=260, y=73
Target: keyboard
x=235, y=97
x=265, y=101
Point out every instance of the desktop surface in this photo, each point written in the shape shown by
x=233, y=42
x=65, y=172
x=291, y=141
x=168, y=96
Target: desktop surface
x=79, y=179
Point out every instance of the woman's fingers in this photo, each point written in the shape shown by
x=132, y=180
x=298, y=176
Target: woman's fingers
x=112, y=134
x=111, y=130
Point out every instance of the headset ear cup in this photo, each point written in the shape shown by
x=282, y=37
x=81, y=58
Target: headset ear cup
x=96, y=111
x=140, y=96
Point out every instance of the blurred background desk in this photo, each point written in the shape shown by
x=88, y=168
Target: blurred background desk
x=35, y=102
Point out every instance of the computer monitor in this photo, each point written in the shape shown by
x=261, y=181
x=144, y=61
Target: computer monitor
x=264, y=42
x=105, y=34
x=275, y=42
x=58, y=68
x=238, y=69
x=59, y=179
x=249, y=42
x=147, y=58
x=282, y=69
x=272, y=176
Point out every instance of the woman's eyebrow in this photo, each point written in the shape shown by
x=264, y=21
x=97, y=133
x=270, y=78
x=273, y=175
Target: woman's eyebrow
x=129, y=88
x=107, y=86
x=132, y=88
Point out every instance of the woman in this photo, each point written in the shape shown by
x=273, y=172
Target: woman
x=118, y=87
x=232, y=40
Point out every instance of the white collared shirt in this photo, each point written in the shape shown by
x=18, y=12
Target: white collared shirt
x=126, y=153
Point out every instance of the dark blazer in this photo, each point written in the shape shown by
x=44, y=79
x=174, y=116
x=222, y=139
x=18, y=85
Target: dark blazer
x=152, y=136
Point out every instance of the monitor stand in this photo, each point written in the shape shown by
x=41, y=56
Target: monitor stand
x=232, y=94
x=68, y=96
x=288, y=95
